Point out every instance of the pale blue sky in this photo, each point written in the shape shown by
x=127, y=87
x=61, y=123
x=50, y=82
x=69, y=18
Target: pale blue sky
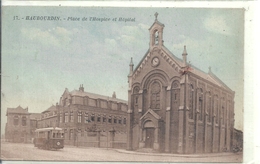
x=42, y=58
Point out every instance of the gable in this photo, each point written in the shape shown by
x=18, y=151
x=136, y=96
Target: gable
x=167, y=63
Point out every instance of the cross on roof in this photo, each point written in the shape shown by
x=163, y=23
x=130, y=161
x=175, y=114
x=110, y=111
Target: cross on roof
x=156, y=15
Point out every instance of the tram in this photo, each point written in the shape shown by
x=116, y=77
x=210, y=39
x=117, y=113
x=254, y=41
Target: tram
x=49, y=138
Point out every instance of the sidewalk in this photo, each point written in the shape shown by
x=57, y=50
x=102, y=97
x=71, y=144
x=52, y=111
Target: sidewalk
x=206, y=155
x=180, y=155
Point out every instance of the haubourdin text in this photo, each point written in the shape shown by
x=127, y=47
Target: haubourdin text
x=73, y=19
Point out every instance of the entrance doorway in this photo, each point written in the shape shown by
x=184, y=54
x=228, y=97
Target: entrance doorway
x=149, y=139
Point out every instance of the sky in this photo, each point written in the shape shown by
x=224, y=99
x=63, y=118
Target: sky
x=42, y=58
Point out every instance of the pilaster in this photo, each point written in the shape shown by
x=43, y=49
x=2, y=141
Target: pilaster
x=168, y=120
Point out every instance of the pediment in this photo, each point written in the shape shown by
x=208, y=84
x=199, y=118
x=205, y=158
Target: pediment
x=172, y=61
x=149, y=113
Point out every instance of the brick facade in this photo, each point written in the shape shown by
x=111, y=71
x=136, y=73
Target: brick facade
x=174, y=107
x=81, y=113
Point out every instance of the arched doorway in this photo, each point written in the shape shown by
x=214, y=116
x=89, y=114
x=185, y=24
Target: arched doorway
x=149, y=139
x=149, y=130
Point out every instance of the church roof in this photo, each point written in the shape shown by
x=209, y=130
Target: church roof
x=50, y=109
x=206, y=76
x=95, y=96
x=17, y=110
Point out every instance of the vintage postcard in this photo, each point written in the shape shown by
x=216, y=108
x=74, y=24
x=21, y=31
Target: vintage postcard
x=122, y=84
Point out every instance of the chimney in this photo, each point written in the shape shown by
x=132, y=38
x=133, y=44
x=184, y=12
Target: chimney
x=114, y=95
x=81, y=88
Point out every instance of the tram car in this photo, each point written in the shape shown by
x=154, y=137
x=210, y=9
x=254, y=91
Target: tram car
x=49, y=138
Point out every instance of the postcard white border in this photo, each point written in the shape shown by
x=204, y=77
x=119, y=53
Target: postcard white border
x=251, y=71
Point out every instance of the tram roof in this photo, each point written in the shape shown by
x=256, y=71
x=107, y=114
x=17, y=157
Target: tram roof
x=48, y=129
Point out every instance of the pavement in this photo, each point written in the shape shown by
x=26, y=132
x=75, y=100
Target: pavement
x=207, y=155
x=27, y=152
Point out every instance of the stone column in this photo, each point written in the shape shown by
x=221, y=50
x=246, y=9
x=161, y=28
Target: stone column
x=167, y=129
x=168, y=119
x=180, y=136
x=205, y=132
x=220, y=138
x=141, y=141
x=213, y=134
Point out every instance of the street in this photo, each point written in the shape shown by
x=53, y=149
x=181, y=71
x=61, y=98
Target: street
x=21, y=151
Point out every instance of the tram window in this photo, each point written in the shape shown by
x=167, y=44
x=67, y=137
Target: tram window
x=54, y=135
x=62, y=135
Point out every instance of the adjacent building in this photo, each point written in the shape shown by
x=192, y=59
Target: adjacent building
x=80, y=113
x=18, y=125
x=175, y=107
x=48, y=118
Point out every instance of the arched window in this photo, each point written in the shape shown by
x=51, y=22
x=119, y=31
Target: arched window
x=191, y=100
x=155, y=95
x=16, y=120
x=223, y=110
x=23, y=121
x=216, y=111
x=209, y=110
x=135, y=96
x=200, y=104
x=156, y=37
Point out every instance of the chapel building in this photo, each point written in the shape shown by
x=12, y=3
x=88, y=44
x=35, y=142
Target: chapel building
x=174, y=107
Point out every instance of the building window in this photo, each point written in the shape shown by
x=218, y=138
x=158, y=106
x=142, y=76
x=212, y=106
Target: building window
x=93, y=118
x=209, y=108
x=71, y=116
x=191, y=91
x=66, y=117
x=115, y=120
x=109, y=119
x=79, y=117
x=86, y=118
x=156, y=37
x=136, y=92
x=120, y=121
x=16, y=120
x=200, y=108
x=155, y=95
x=124, y=120
x=216, y=109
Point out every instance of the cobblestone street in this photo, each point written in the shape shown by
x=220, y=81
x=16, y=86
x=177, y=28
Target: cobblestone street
x=19, y=151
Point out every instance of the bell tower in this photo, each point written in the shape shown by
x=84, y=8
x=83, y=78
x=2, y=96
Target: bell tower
x=156, y=33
